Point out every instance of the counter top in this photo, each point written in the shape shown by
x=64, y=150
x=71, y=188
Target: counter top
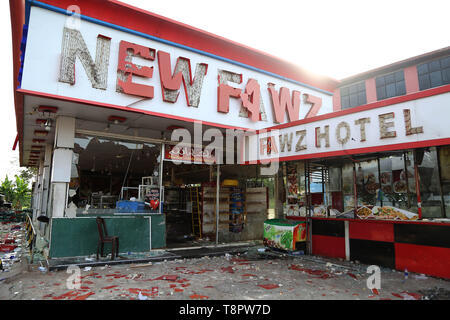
x=427, y=222
x=116, y=214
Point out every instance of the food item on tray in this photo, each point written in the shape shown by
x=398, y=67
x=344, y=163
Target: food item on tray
x=292, y=184
x=400, y=186
x=364, y=212
x=387, y=213
x=386, y=189
x=403, y=175
x=293, y=189
x=402, y=216
x=370, y=178
x=394, y=213
x=385, y=178
x=372, y=188
x=320, y=211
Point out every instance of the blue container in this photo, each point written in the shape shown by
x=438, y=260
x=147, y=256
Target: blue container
x=125, y=206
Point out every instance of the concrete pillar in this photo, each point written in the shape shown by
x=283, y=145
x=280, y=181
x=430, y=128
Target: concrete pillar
x=411, y=79
x=37, y=192
x=337, y=100
x=45, y=187
x=371, y=90
x=46, y=178
x=279, y=192
x=61, y=164
x=40, y=188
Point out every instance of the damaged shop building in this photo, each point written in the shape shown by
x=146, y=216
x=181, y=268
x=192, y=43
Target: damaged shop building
x=172, y=135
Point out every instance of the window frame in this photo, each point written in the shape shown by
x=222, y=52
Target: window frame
x=382, y=82
x=434, y=73
x=351, y=92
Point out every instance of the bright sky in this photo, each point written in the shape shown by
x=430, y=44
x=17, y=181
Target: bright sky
x=329, y=37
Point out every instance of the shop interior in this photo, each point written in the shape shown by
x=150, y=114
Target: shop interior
x=110, y=176
x=190, y=200
x=105, y=171
x=382, y=185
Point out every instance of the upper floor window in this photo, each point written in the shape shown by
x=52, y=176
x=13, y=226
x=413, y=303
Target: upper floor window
x=434, y=73
x=353, y=95
x=390, y=85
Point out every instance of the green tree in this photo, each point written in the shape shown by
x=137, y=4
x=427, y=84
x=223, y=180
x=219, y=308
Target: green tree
x=27, y=174
x=7, y=189
x=18, y=191
x=22, y=194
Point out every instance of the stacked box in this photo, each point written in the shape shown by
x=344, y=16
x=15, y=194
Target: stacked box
x=236, y=209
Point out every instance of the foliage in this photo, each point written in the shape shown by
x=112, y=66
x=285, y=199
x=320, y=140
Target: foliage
x=18, y=191
x=28, y=174
x=7, y=189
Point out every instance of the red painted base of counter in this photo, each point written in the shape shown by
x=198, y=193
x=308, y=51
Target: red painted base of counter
x=371, y=231
x=421, y=247
x=433, y=261
x=328, y=246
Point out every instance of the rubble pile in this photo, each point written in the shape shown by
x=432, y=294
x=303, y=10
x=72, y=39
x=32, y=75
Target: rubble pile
x=435, y=294
x=237, y=276
x=257, y=273
x=12, y=244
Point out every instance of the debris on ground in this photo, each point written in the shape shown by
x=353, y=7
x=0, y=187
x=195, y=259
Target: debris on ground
x=12, y=244
x=254, y=274
x=435, y=294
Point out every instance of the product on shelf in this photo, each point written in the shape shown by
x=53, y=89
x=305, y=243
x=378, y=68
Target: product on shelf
x=364, y=212
x=385, y=212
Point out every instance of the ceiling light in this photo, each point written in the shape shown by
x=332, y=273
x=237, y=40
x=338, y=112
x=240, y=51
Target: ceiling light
x=41, y=122
x=48, y=109
x=40, y=133
x=116, y=119
x=48, y=125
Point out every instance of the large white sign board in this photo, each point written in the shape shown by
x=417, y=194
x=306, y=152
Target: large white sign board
x=416, y=123
x=49, y=42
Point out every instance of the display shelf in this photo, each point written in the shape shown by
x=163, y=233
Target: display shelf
x=251, y=200
x=226, y=221
x=103, y=201
x=213, y=198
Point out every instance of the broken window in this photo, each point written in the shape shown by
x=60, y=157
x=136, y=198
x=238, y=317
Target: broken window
x=107, y=171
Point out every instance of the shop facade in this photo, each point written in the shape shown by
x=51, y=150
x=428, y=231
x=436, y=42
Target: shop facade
x=371, y=180
x=166, y=131
x=143, y=122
